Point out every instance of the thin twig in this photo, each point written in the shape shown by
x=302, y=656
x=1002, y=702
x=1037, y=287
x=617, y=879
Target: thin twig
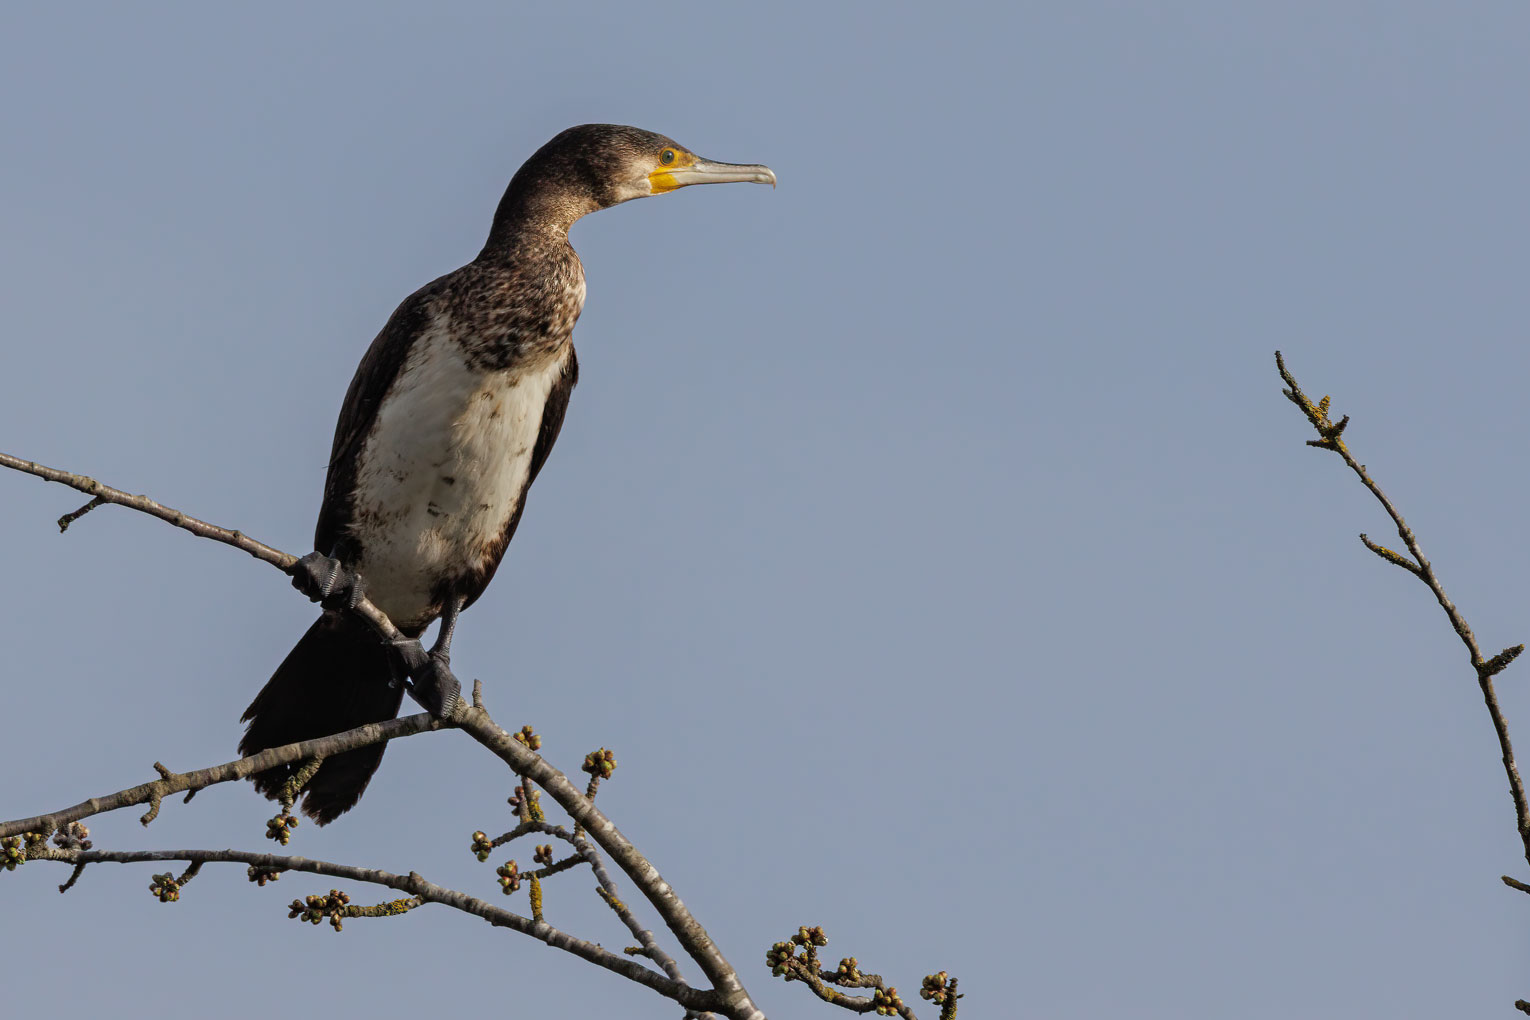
x=1330, y=439
x=74, y=515
x=607, y=889
x=143, y=504
x=202, y=529
x=414, y=885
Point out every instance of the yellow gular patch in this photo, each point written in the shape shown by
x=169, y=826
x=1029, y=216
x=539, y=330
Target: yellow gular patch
x=661, y=180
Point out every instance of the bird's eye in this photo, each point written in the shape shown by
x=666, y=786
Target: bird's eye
x=667, y=157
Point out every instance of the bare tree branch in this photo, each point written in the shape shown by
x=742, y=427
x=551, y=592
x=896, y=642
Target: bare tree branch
x=728, y=995
x=884, y=999
x=1419, y=566
x=238, y=539
x=414, y=885
x=174, y=782
x=1486, y=668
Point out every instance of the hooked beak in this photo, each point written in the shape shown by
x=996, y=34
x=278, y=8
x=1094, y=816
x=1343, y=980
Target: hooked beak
x=704, y=171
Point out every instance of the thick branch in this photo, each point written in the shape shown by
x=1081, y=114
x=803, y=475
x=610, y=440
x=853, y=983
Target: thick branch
x=1317, y=414
x=689, y=931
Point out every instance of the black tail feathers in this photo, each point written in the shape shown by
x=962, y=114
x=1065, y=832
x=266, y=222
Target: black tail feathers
x=336, y=678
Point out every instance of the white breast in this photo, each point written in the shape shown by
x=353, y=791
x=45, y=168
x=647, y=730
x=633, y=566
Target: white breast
x=443, y=471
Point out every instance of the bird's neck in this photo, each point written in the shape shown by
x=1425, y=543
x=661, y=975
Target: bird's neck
x=535, y=215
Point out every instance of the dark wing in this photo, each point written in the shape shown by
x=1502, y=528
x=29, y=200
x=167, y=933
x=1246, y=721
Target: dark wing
x=374, y=377
x=547, y=434
x=552, y=419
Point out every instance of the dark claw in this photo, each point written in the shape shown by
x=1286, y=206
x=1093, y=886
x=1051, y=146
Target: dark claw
x=326, y=580
x=434, y=686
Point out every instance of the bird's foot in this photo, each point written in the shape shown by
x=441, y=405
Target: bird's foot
x=326, y=580
x=433, y=686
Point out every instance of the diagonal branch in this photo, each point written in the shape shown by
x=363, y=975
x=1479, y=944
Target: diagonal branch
x=1419, y=566
x=692, y=936
x=239, y=540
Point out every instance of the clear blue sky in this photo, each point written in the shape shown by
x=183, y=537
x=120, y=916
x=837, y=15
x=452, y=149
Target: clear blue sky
x=928, y=537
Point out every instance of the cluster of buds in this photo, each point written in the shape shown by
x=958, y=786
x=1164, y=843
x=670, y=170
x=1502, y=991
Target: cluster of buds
x=280, y=828
x=316, y=908
x=937, y=988
x=813, y=936
x=886, y=1002
x=260, y=876
x=528, y=736
x=509, y=877
x=777, y=958
x=166, y=888
x=600, y=763
x=73, y=836
x=482, y=846
x=11, y=852
x=544, y=854
x=848, y=972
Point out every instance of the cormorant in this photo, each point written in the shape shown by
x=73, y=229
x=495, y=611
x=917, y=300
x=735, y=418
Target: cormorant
x=449, y=418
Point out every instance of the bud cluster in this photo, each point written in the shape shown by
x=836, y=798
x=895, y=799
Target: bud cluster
x=280, y=828
x=600, y=763
x=544, y=854
x=482, y=846
x=509, y=877
x=11, y=853
x=777, y=958
x=166, y=888
x=528, y=736
x=886, y=1001
x=937, y=988
x=73, y=836
x=314, y=909
x=260, y=876
x=813, y=936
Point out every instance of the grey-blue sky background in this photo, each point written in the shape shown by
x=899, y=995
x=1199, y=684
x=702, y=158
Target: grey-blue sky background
x=928, y=537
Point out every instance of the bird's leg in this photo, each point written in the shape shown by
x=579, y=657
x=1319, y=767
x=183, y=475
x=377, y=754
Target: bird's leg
x=442, y=649
x=326, y=580
x=434, y=687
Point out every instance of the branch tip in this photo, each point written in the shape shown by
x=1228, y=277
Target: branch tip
x=74, y=515
x=1391, y=557
x=74, y=876
x=1497, y=663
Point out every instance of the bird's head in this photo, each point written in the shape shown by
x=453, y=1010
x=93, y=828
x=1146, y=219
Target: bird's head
x=595, y=166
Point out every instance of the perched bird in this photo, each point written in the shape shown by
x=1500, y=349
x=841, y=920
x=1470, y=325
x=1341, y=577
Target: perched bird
x=450, y=417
